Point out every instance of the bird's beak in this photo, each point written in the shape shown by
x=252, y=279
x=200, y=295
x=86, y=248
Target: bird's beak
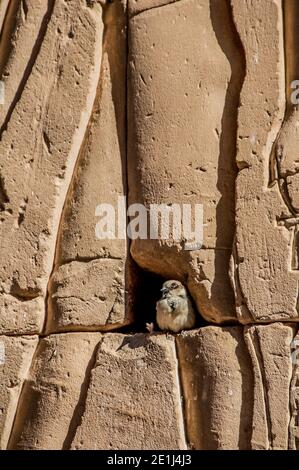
x=164, y=291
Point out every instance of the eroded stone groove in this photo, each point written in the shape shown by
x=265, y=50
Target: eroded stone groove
x=68, y=55
x=294, y=398
x=73, y=385
x=239, y=400
x=18, y=353
x=264, y=241
x=44, y=7
x=99, y=177
x=187, y=160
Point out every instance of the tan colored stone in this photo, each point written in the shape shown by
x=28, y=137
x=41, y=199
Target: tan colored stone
x=20, y=317
x=237, y=386
x=3, y=9
x=217, y=382
x=15, y=359
x=88, y=296
x=270, y=350
x=266, y=279
x=138, y=6
x=100, y=176
x=20, y=42
x=92, y=294
x=181, y=146
x=294, y=397
x=40, y=147
x=133, y=401
x=54, y=394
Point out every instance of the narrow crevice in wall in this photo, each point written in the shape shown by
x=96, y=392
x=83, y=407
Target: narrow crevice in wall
x=31, y=62
x=69, y=193
x=294, y=395
x=260, y=361
x=16, y=429
x=107, y=124
x=80, y=407
x=7, y=31
x=230, y=42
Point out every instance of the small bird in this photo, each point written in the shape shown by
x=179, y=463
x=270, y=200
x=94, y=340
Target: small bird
x=174, y=310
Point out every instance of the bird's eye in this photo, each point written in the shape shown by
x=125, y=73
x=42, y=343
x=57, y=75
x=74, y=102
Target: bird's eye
x=174, y=285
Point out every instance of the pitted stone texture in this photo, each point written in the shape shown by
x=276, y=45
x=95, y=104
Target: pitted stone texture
x=294, y=397
x=181, y=146
x=54, y=394
x=92, y=294
x=20, y=316
x=3, y=10
x=236, y=383
x=87, y=295
x=265, y=272
x=40, y=147
x=100, y=177
x=15, y=359
x=133, y=401
x=217, y=382
x=21, y=38
x=270, y=350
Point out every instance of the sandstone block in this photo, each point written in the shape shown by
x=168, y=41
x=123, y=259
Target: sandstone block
x=270, y=349
x=237, y=386
x=18, y=316
x=93, y=294
x=53, y=397
x=40, y=146
x=15, y=359
x=217, y=382
x=294, y=397
x=21, y=37
x=133, y=401
x=265, y=266
x=87, y=295
x=181, y=139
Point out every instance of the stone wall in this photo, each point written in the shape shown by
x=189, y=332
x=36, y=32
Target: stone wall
x=148, y=102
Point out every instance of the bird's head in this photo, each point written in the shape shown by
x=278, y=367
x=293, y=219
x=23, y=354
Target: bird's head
x=173, y=289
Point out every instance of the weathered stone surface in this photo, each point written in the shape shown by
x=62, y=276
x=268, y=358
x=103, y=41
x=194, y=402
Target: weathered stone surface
x=181, y=146
x=3, y=11
x=92, y=294
x=217, y=382
x=17, y=316
x=166, y=102
x=87, y=295
x=100, y=176
x=138, y=6
x=294, y=397
x=23, y=31
x=270, y=350
x=53, y=397
x=133, y=401
x=40, y=147
x=15, y=359
x=266, y=280
x=237, y=386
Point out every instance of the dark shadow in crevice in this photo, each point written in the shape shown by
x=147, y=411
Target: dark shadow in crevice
x=145, y=292
x=81, y=404
x=27, y=72
x=247, y=395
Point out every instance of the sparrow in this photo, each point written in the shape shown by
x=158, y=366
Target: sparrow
x=174, y=310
